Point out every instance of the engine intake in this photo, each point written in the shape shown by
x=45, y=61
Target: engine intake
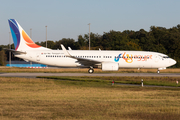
x=110, y=66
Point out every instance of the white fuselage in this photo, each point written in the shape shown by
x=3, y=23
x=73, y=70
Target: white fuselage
x=26, y=49
x=125, y=59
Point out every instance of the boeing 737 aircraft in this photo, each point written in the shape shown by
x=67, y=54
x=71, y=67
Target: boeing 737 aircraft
x=107, y=60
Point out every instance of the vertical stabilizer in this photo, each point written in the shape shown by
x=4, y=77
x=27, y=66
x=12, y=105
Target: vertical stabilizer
x=20, y=38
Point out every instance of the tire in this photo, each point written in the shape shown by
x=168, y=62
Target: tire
x=91, y=71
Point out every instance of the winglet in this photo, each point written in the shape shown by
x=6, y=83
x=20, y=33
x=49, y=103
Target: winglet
x=66, y=53
x=69, y=48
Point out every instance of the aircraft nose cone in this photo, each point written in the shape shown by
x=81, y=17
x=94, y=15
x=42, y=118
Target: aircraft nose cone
x=173, y=62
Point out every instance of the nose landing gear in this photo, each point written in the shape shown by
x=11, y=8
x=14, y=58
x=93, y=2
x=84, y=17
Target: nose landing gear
x=158, y=70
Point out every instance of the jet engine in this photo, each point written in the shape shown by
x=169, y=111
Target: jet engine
x=106, y=66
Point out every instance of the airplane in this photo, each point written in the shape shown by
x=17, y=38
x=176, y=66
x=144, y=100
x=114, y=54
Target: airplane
x=107, y=60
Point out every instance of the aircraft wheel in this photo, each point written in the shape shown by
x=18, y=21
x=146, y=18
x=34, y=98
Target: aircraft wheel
x=91, y=70
x=158, y=71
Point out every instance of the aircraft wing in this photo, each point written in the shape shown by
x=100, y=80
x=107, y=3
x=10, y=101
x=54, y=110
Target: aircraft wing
x=14, y=51
x=87, y=62
x=83, y=61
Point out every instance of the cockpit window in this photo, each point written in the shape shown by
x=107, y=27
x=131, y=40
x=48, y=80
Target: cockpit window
x=165, y=57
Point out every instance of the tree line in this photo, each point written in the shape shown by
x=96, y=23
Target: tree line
x=157, y=39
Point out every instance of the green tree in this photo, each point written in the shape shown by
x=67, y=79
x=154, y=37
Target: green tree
x=67, y=42
x=2, y=58
x=82, y=42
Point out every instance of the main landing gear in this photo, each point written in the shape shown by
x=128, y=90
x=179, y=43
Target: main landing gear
x=91, y=70
x=158, y=71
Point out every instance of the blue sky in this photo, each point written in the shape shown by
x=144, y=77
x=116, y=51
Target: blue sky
x=70, y=18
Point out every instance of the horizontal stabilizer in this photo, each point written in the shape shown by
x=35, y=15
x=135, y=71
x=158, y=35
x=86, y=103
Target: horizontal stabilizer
x=15, y=51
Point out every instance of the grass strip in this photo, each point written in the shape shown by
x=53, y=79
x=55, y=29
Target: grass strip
x=157, y=81
x=75, y=79
x=48, y=99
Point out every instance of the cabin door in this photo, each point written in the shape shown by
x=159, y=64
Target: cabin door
x=38, y=57
x=156, y=58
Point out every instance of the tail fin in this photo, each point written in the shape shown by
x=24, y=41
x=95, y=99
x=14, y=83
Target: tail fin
x=21, y=40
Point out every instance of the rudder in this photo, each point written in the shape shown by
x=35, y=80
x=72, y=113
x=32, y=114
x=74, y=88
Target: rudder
x=20, y=38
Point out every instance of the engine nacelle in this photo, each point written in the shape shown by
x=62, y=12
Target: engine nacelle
x=110, y=66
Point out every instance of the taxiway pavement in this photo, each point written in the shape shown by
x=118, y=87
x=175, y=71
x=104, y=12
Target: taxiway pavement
x=34, y=75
